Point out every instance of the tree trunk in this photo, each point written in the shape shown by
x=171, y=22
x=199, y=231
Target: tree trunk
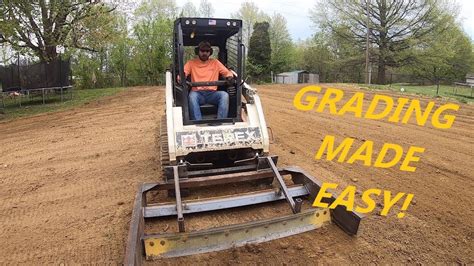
x=49, y=54
x=381, y=72
x=383, y=45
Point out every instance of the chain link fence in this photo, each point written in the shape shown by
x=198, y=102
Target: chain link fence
x=460, y=88
x=108, y=80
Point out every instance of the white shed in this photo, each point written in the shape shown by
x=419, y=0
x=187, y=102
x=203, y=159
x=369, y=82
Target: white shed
x=297, y=76
x=470, y=79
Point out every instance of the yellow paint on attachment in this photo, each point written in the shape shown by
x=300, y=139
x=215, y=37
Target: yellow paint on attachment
x=155, y=246
x=214, y=239
x=320, y=217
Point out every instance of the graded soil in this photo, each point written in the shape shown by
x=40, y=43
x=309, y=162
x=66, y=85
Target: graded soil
x=68, y=181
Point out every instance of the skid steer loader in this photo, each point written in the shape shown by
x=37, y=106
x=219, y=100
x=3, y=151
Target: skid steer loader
x=212, y=152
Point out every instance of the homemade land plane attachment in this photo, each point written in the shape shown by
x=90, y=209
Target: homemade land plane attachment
x=211, y=153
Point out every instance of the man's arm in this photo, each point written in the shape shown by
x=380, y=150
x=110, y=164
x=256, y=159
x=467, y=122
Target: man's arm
x=187, y=71
x=223, y=71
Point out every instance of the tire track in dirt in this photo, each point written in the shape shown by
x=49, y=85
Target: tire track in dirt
x=73, y=188
x=72, y=177
x=404, y=133
x=348, y=124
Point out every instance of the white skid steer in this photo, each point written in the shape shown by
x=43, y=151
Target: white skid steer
x=214, y=152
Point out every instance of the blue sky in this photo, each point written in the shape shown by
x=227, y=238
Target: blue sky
x=297, y=13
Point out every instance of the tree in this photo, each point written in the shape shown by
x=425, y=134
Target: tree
x=395, y=26
x=249, y=14
x=472, y=58
x=156, y=9
x=189, y=10
x=205, y=9
x=316, y=56
x=153, y=39
x=447, y=58
x=120, y=52
x=260, y=52
x=6, y=54
x=44, y=25
x=281, y=44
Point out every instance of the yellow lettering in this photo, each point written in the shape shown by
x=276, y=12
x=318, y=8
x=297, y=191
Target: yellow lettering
x=388, y=202
x=358, y=155
x=311, y=100
x=396, y=115
x=411, y=158
x=349, y=192
x=369, y=197
x=330, y=101
x=305, y=100
x=328, y=144
x=373, y=104
x=449, y=118
x=398, y=155
x=358, y=98
x=420, y=118
x=323, y=194
x=368, y=200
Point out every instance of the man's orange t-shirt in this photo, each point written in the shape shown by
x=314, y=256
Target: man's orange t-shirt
x=205, y=71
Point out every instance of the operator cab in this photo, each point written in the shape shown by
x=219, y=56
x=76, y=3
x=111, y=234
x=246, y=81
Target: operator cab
x=224, y=34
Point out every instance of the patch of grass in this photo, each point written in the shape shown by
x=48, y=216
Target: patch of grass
x=461, y=94
x=33, y=104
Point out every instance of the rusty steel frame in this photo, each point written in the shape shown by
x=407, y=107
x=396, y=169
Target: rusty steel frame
x=219, y=203
x=305, y=185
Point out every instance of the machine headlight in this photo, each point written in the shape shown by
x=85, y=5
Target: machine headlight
x=187, y=22
x=228, y=23
x=193, y=22
x=234, y=23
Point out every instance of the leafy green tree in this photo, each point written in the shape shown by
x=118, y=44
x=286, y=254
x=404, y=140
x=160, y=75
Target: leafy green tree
x=189, y=10
x=98, y=68
x=42, y=26
x=120, y=52
x=317, y=57
x=281, y=44
x=86, y=67
x=260, y=52
x=249, y=13
x=153, y=48
x=139, y=56
x=447, y=58
x=333, y=58
x=205, y=9
x=153, y=40
x=150, y=10
x=472, y=59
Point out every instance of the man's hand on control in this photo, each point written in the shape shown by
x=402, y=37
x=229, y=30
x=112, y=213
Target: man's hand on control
x=230, y=80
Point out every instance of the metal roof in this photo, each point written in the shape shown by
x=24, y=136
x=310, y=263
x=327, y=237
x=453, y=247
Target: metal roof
x=292, y=73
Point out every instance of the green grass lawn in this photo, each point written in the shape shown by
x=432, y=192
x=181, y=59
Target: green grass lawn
x=461, y=94
x=32, y=105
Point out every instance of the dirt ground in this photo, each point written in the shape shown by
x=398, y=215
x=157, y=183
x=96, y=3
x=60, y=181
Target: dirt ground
x=68, y=180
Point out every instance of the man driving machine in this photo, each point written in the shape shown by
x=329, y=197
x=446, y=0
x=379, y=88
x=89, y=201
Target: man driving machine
x=202, y=69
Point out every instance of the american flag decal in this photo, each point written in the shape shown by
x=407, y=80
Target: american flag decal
x=188, y=140
x=212, y=22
